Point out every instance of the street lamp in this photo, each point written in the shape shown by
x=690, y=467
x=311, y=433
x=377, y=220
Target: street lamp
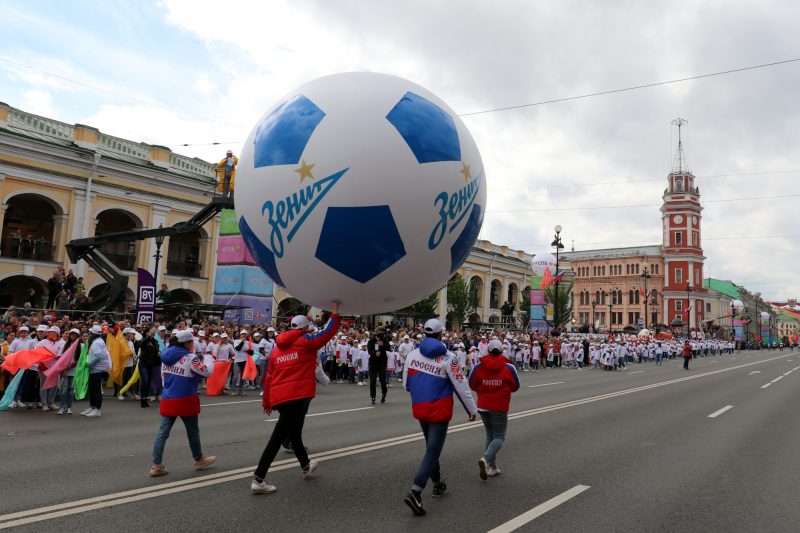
x=758, y=319
x=689, y=310
x=594, y=303
x=558, y=246
x=645, y=276
x=733, y=329
x=157, y=256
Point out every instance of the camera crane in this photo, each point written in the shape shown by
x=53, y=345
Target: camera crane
x=88, y=249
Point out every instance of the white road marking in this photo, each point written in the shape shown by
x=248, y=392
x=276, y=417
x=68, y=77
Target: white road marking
x=787, y=373
x=796, y=368
x=636, y=372
x=49, y=512
x=228, y=403
x=545, y=384
x=327, y=413
x=753, y=372
x=776, y=379
x=765, y=386
x=715, y=414
x=539, y=510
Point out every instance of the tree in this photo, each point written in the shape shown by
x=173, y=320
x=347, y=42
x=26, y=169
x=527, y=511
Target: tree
x=525, y=309
x=562, y=305
x=459, y=301
x=423, y=309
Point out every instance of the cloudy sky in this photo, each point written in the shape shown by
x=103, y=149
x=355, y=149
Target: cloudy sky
x=199, y=72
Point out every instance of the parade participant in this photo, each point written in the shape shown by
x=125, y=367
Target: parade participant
x=432, y=375
x=183, y=370
x=52, y=342
x=149, y=366
x=226, y=173
x=494, y=379
x=289, y=388
x=378, y=346
x=244, y=349
x=99, y=362
x=66, y=392
x=687, y=354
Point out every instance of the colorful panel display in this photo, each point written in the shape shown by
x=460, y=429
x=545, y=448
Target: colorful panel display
x=228, y=225
x=228, y=280
x=231, y=250
x=255, y=282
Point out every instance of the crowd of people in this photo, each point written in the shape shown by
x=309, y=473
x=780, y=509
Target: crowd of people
x=53, y=356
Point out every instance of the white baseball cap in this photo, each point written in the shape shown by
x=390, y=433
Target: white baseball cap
x=75, y=331
x=54, y=329
x=300, y=322
x=185, y=335
x=41, y=327
x=495, y=346
x=96, y=330
x=433, y=326
x=162, y=328
x=223, y=336
x=23, y=328
x=201, y=333
x=215, y=334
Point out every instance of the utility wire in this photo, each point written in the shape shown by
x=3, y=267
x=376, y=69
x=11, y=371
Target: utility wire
x=632, y=88
x=592, y=208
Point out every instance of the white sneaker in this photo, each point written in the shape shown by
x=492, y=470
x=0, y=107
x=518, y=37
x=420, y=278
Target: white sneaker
x=493, y=471
x=120, y=397
x=261, y=393
x=93, y=413
x=69, y=410
x=262, y=488
x=60, y=412
x=86, y=411
x=308, y=470
x=45, y=408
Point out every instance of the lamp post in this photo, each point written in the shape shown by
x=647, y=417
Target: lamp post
x=758, y=320
x=688, y=310
x=157, y=256
x=645, y=276
x=558, y=246
x=594, y=303
x=733, y=329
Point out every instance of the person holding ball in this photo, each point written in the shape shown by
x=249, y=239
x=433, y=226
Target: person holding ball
x=289, y=388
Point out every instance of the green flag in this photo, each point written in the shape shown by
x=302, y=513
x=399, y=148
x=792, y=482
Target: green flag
x=81, y=382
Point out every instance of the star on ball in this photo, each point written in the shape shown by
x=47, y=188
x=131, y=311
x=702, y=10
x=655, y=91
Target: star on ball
x=305, y=170
x=465, y=171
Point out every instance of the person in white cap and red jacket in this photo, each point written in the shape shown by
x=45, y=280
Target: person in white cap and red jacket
x=183, y=370
x=494, y=379
x=289, y=388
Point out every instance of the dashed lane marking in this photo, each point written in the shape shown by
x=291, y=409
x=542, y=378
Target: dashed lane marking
x=539, y=510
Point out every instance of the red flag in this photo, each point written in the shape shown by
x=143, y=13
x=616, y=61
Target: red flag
x=26, y=359
x=641, y=292
x=250, y=370
x=547, y=279
x=216, y=381
x=60, y=366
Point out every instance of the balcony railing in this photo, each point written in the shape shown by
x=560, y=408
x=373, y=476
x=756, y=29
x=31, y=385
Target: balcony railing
x=30, y=250
x=184, y=268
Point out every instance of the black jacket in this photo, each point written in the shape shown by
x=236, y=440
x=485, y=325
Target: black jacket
x=148, y=353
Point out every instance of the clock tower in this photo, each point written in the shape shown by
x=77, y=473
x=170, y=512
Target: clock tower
x=683, y=296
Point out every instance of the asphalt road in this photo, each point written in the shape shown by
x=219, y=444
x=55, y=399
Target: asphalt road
x=587, y=450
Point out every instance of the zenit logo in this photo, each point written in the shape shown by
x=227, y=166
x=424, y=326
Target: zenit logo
x=289, y=214
x=452, y=208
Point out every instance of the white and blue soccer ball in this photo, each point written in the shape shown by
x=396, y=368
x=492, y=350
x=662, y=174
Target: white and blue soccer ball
x=362, y=188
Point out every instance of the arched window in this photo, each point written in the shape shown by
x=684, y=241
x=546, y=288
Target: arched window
x=122, y=254
x=29, y=227
x=186, y=253
x=476, y=291
x=494, y=295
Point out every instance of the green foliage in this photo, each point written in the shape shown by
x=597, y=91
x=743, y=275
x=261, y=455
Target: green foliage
x=562, y=305
x=459, y=300
x=423, y=309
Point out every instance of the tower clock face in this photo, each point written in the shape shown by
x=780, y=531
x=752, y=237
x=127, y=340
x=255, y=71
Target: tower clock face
x=677, y=219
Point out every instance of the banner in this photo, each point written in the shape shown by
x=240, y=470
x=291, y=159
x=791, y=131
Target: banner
x=59, y=367
x=145, y=297
x=216, y=381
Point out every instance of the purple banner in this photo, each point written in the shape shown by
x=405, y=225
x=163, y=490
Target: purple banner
x=145, y=297
x=255, y=310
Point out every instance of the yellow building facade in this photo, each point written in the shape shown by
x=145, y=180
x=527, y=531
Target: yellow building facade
x=60, y=182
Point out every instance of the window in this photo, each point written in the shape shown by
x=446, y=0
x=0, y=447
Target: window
x=678, y=305
x=655, y=269
x=636, y=268
x=630, y=319
x=678, y=237
x=678, y=275
x=694, y=238
x=678, y=186
x=708, y=307
x=697, y=277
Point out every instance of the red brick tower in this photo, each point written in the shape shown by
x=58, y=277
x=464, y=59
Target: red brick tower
x=682, y=244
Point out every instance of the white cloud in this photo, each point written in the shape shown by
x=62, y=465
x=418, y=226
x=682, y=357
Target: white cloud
x=38, y=102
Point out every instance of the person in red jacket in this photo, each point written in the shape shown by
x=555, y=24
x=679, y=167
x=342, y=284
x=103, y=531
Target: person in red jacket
x=687, y=354
x=494, y=379
x=289, y=388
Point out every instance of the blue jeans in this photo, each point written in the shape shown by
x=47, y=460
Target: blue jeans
x=434, y=442
x=66, y=391
x=192, y=432
x=495, y=424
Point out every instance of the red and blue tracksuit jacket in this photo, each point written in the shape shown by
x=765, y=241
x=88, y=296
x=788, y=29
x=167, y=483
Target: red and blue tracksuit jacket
x=182, y=372
x=432, y=375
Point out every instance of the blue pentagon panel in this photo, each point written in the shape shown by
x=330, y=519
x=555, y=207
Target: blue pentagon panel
x=428, y=129
x=282, y=136
x=463, y=245
x=360, y=242
x=263, y=256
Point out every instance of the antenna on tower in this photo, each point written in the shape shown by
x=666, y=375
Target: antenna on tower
x=680, y=164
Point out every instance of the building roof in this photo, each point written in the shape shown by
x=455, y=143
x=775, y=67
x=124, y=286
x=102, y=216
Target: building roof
x=722, y=286
x=654, y=250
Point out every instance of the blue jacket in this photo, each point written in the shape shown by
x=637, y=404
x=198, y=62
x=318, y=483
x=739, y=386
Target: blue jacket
x=182, y=372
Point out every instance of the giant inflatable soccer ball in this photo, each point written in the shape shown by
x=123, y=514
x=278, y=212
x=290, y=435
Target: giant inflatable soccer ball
x=543, y=261
x=361, y=188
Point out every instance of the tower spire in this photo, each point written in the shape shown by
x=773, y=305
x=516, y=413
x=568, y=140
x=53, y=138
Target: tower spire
x=680, y=165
